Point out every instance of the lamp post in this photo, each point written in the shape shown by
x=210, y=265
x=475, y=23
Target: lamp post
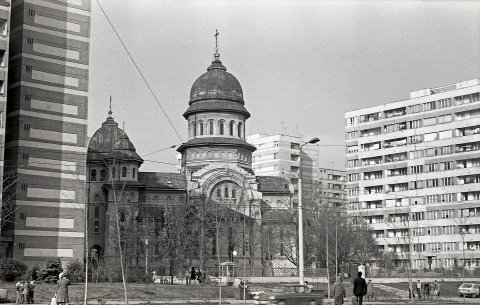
x=301, y=267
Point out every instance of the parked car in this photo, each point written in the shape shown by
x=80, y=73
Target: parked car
x=289, y=295
x=469, y=289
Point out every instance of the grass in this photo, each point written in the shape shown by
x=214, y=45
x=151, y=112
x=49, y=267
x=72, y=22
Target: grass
x=447, y=289
x=145, y=292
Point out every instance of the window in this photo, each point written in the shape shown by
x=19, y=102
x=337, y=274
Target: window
x=103, y=175
x=226, y=193
x=429, y=121
x=447, y=181
x=26, y=126
x=446, y=150
x=122, y=216
x=430, y=137
x=96, y=227
x=415, y=124
x=352, y=135
x=114, y=173
x=234, y=193
x=200, y=128
x=23, y=187
x=429, y=106
x=28, y=97
x=446, y=134
x=28, y=68
x=93, y=175
x=444, y=103
x=134, y=172
x=21, y=246
x=431, y=183
x=417, y=169
x=415, y=139
x=444, y=119
x=232, y=127
x=446, y=165
x=23, y=215
x=210, y=127
x=194, y=129
x=221, y=126
x=97, y=212
x=240, y=129
x=25, y=156
x=219, y=193
x=124, y=171
x=433, y=167
x=295, y=146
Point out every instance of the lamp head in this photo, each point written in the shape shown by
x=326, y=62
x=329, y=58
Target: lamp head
x=314, y=140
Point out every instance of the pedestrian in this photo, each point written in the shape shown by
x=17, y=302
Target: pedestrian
x=411, y=292
x=18, y=289
x=32, y=290
x=359, y=288
x=308, y=286
x=193, y=276
x=26, y=293
x=436, y=290
x=187, y=277
x=419, y=289
x=62, y=289
x=198, y=273
x=370, y=290
x=338, y=291
x=426, y=290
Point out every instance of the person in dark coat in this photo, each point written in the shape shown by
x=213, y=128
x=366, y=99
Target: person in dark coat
x=359, y=288
x=62, y=289
x=193, y=276
x=32, y=291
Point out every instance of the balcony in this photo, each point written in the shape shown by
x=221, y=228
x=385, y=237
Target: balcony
x=395, y=112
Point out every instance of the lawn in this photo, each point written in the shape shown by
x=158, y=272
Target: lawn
x=447, y=289
x=108, y=291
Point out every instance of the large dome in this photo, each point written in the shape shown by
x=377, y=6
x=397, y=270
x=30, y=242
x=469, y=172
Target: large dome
x=217, y=84
x=103, y=140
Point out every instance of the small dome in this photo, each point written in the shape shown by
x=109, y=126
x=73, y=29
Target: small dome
x=123, y=150
x=216, y=83
x=103, y=140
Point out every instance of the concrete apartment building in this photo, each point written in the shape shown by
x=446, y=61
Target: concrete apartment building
x=413, y=173
x=46, y=128
x=331, y=188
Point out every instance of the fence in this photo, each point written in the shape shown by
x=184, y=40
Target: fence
x=437, y=273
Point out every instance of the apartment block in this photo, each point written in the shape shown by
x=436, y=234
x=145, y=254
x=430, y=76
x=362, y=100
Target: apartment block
x=330, y=186
x=279, y=155
x=46, y=128
x=413, y=173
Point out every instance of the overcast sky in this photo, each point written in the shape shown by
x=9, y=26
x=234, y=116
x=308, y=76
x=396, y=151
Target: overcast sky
x=304, y=63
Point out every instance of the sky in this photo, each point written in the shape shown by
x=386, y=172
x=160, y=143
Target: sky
x=301, y=64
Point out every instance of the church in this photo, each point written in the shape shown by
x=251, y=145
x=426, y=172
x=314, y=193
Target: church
x=215, y=187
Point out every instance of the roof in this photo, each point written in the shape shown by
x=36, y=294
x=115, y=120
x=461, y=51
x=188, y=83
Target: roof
x=216, y=83
x=216, y=105
x=271, y=184
x=103, y=140
x=172, y=181
x=215, y=141
x=123, y=149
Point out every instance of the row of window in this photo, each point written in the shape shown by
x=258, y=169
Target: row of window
x=400, y=202
x=218, y=155
x=104, y=177
x=427, y=106
x=211, y=128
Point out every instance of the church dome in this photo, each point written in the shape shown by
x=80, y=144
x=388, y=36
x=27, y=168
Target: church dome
x=124, y=150
x=216, y=83
x=103, y=140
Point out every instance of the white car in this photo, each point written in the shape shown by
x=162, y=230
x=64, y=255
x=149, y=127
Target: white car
x=469, y=289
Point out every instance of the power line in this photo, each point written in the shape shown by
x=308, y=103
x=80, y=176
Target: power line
x=139, y=71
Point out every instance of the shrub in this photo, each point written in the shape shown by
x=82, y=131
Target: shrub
x=33, y=273
x=51, y=270
x=11, y=269
x=75, y=271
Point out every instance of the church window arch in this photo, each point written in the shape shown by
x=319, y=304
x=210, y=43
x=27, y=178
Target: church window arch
x=93, y=175
x=226, y=195
x=134, y=172
x=240, y=129
x=114, y=173
x=210, y=127
x=223, y=155
x=124, y=171
x=203, y=155
x=221, y=127
x=194, y=129
x=200, y=128
x=234, y=193
x=103, y=175
x=209, y=154
x=198, y=155
x=217, y=155
x=229, y=155
x=219, y=193
x=232, y=127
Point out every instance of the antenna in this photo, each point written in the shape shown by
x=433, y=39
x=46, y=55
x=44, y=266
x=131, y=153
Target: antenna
x=216, y=55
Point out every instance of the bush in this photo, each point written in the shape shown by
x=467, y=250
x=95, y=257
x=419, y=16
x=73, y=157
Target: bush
x=51, y=270
x=11, y=269
x=33, y=273
x=75, y=271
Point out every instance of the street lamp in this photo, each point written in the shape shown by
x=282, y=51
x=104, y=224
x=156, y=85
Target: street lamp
x=301, y=267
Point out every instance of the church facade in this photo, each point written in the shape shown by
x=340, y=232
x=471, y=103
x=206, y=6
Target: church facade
x=216, y=182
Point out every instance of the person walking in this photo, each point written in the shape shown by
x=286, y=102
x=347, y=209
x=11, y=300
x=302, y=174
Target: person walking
x=26, y=293
x=32, y=290
x=359, y=288
x=370, y=290
x=338, y=291
x=419, y=289
x=193, y=276
x=187, y=277
x=62, y=288
x=436, y=290
x=411, y=292
x=198, y=273
x=18, y=289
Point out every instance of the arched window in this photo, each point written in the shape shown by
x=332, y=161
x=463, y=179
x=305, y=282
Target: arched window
x=93, y=175
x=221, y=126
x=210, y=127
x=226, y=192
x=103, y=175
x=240, y=129
x=134, y=172
x=200, y=128
x=234, y=193
x=124, y=171
x=194, y=129
x=232, y=127
x=122, y=216
x=219, y=193
x=114, y=173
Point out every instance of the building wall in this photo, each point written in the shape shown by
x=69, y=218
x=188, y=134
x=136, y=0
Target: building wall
x=413, y=173
x=47, y=127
